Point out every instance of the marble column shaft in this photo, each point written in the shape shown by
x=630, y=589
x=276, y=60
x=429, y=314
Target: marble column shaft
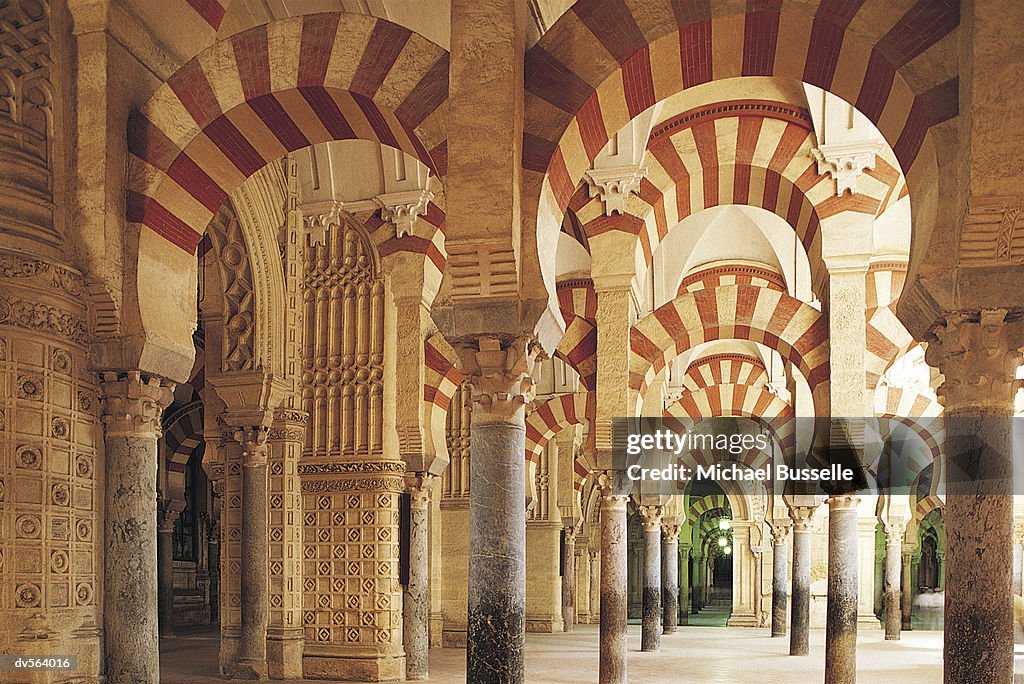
x=893, y=575
x=650, y=633
x=569, y=579
x=416, y=616
x=1018, y=565
x=132, y=405
x=670, y=578
x=165, y=571
x=612, y=664
x=841, y=612
x=684, y=585
x=255, y=576
x=800, y=610
x=497, y=552
x=907, y=598
x=595, y=586
x=780, y=584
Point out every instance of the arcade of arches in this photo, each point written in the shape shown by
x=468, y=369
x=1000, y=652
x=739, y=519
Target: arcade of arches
x=315, y=316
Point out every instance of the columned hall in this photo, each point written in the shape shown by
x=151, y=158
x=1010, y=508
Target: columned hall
x=317, y=318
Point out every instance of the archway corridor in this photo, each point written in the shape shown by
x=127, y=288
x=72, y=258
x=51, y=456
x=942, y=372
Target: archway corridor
x=332, y=333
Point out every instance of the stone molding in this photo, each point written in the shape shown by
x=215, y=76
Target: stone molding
x=978, y=355
x=44, y=318
x=845, y=162
x=353, y=467
x=132, y=403
x=372, y=484
x=614, y=184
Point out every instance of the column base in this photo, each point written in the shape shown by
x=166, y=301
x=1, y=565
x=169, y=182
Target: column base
x=284, y=657
x=354, y=668
x=546, y=624
x=249, y=670
x=741, y=620
x=453, y=637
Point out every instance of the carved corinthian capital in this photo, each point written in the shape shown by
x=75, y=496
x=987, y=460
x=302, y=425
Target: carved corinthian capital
x=650, y=517
x=978, y=354
x=253, y=440
x=132, y=403
x=500, y=373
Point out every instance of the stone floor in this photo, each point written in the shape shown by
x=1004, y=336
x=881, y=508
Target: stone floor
x=708, y=655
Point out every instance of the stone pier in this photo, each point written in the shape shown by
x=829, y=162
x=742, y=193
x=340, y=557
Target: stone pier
x=416, y=616
x=612, y=667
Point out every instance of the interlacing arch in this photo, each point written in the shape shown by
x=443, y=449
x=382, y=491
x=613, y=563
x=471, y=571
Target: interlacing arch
x=738, y=400
x=276, y=88
x=794, y=329
x=751, y=152
x=728, y=368
x=577, y=301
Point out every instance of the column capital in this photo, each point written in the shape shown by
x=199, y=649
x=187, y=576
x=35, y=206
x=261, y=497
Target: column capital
x=650, y=517
x=419, y=487
x=166, y=516
x=500, y=372
x=843, y=502
x=403, y=208
x=846, y=162
x=801, y=516
x=132, y=402
x=253, y=440
x=318, y=217
x=780, y=533
x=1018, y=533
x=978, y=354
x=614, y=484
x=570, y=534
x=670, y=529
x=894, y=531
x=613, y=185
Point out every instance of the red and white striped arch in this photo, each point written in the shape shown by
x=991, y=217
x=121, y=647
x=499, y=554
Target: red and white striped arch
x=797, y=331
x=707, y=503
x=279, y=87
x=718, y=369
x=578, y=346
x=886, y=337
x=182, y=433
x=440, y=380
x=552, y=417
x=930, y=503
x=732, y=274
x=605, y=61
x=921, y=414
x=744, y=401
x=751, y=152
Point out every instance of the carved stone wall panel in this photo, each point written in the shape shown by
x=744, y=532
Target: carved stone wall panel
x=26, y=122
x=239, y=318
x=455, y=479
x=50, y=524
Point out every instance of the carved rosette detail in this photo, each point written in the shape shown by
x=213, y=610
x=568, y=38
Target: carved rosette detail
x=133, y=402
x=978, y=354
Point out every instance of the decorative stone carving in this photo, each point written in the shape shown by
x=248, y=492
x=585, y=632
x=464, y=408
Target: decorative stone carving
x=845, y=162
x=482, y=270
x=30, y=386
x=499, y=372
x=455, y=479
x=253, y=440
x=650, y=517
x=239, y=297
x=132, y=402
x=978, y=354
x=991, y=234
x=801, y=517
x=43, y=318
x=418, y=486
x=402, y=209
x=614, y=184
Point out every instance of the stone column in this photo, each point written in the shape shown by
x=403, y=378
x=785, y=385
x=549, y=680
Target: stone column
x=165, y=567
x=416, y=616
x=255, y=576
x=908, y=591
x=893, y=571
x=800, y=611
x=650, y=638
x=670, y=577
x=697, y=590
x=569, y=579
x=780, y=584
x=1018, y=560
x=978, y=354
x=684, y=584
x=132, y=404
x=499, y=374
x=612, y=664
x=841, y=618
x=594, y=561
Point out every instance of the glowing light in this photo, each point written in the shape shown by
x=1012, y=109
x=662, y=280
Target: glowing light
x=721, y=541
x=724, y=524
x=727, y=550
